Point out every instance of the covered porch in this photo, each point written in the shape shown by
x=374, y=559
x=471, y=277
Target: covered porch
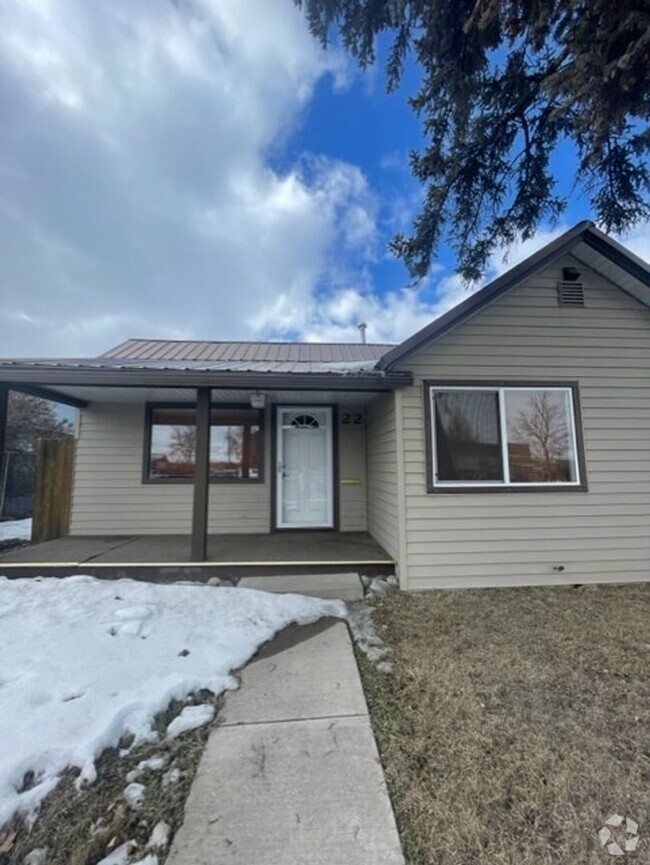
x=168, y=557
x=194, y=471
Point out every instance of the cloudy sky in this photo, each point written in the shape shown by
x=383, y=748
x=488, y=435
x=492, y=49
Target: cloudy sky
x=201, y=168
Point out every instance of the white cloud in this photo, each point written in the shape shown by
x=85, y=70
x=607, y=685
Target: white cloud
x=638, y=240
x=335, y=317
x=393, y=316
x=139, y=192
x=396, y=315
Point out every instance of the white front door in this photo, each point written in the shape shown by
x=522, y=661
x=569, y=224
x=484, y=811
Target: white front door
x=305, y=468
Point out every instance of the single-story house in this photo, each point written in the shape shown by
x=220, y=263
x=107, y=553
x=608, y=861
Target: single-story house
x=506, y=443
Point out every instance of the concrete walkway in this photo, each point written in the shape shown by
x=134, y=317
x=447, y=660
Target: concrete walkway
x=292, y=777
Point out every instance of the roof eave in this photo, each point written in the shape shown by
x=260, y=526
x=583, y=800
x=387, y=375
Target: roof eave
x=93, y=377
x=618, y=254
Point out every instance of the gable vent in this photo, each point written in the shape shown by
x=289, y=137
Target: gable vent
x=570, y=294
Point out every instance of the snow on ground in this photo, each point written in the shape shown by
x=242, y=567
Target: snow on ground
x=85, y=661
x=189, y=719
x=121, y=854
x=135, y=795
x=16, y=530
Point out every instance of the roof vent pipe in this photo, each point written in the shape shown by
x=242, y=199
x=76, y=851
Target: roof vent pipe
x=362, y=330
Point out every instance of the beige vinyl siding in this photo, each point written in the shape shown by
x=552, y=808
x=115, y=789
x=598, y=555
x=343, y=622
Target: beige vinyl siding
x=109, y=497
x=352, y=472
x=382, y=473
x=505, y=538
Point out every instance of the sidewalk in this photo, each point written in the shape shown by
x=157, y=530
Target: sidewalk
x=292, y=777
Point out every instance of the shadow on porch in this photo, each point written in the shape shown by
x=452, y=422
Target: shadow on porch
x=167, y=557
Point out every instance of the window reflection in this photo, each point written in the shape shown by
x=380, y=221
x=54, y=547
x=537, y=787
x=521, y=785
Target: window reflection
x=540, y=442
x=235, y=444
x=468, y=444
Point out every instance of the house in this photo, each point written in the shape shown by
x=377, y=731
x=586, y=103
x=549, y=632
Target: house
x=506, y=443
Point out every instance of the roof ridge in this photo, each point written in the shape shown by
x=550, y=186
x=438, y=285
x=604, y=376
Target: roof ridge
x=243, y=341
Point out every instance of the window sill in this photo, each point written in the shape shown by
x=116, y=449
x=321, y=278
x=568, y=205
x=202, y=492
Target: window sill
x=536, y=488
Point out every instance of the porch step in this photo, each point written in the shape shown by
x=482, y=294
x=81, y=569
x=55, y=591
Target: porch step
x=345, y=587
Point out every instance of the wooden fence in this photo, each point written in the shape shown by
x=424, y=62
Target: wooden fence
x=53, y=492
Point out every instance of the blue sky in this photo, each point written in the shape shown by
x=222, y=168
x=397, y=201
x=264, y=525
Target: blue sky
x=205, y=170
x=363, y=125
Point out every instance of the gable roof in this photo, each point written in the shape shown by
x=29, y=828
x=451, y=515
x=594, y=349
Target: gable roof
x=260, y=353
x=592, y=246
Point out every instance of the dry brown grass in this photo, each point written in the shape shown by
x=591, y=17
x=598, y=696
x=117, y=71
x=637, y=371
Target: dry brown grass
x=515, y=722
x=67, y=817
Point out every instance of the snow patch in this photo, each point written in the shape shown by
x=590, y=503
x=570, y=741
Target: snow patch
x=191, y=718
x=349, y=366
x=153, y=764
x=134, y=795
x=16, y=530
x=159, y=838
x=121, y=854
x=173, y=776
x=85, y=661
x=36, y=857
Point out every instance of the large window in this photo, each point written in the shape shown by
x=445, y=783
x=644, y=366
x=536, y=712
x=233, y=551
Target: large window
x=235, y=444
x=504, y=437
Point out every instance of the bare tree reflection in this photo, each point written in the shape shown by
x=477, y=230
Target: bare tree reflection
x=182, y=443
x=539, y=439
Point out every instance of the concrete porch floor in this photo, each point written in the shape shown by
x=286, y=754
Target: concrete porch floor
x=167, y=557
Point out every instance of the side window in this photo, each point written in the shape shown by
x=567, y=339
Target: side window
x=512, y=437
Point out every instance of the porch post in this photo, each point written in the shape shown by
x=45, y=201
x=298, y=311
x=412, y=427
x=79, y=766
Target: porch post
x=4, y=406
x=201, y=475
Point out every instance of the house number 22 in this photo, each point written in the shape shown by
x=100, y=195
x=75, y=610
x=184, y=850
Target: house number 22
x=355, y=418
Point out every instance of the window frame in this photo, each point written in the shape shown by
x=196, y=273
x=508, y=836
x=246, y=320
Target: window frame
x=504, y=486
x=150, y=407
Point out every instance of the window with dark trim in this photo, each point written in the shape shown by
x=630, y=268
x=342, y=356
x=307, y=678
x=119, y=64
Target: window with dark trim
x=493, y=437
x=236, y=436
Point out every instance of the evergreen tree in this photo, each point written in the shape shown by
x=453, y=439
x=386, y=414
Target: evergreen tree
x=30, y=418
x=504, y=82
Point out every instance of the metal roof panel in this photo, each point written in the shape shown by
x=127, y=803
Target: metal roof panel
x=152, y=350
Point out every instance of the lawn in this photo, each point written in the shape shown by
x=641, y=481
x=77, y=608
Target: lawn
x=515, y=722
